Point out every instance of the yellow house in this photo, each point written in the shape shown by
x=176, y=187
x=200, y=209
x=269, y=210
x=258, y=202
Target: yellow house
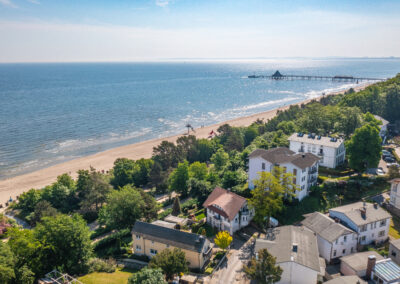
x=150, y=239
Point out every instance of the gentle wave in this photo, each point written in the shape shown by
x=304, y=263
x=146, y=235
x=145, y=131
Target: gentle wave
x=76, y=144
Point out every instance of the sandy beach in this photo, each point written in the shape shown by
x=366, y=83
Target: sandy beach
x=14, y=186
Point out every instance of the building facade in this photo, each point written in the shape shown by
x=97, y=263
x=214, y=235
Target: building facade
x=395, y=193
x=394, y=250
x=331, y=151
x=150, y=239
x=304, y=167
x=368, y=220
x=334, y=239
x=227, y=211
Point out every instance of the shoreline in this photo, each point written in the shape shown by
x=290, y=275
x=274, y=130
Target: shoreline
x=13, y=186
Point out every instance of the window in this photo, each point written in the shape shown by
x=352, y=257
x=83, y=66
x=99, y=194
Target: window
x=153, y=251
x=295, y=172
x=363, y=238
x=352, y=250
x=363, y=228
x=138, y=237
x=383, y=223
x=138, y=248
x=304, y=170
x=236, y=220
x=394, y=253
x=294, y=180
x=344, y=251
x=263, y=166
x=381, y=234
x=334, y=253
x=337, y=240
x=345, y=238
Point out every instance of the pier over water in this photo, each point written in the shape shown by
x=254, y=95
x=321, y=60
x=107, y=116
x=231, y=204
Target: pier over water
x=278, y=76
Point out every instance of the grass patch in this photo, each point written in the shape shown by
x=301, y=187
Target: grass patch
x=200, y=215
x=120, y=276
x=394, y=229
x=197, y=228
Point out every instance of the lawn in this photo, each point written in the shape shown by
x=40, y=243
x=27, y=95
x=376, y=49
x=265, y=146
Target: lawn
x=120, y=276
x=394, y=229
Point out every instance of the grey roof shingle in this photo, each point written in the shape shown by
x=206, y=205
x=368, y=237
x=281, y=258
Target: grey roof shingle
x=169, y=236
x=325, y=227
x=350, y=279
x=358, y=261
x=353, y=212
x=279, y=242
x=283, y=155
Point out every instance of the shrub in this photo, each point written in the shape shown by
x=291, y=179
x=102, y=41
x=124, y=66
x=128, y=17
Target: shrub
x=165, y=213
x=112, y=239
x=100, y=265
x=209, y=270
x=190, y=204
x=99, y=232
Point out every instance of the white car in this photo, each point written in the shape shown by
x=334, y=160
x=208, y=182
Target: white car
x=393, y=164
x=380, y=172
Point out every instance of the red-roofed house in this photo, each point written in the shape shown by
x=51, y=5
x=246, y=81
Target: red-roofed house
x=227, y=211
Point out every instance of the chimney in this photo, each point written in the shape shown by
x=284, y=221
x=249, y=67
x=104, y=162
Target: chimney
x=363, y=211
x=370, y=266
x=303, y=155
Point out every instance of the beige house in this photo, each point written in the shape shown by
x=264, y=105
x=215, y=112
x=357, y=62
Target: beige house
x=394, y=250
x=150, y=239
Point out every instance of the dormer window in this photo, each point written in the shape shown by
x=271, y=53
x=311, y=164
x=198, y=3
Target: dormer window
x=263, y=166
x=294, y=248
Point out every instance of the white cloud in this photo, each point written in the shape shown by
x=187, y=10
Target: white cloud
x=8, y=3
x=162, y=3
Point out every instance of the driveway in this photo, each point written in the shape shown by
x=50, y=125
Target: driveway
x=230, y=271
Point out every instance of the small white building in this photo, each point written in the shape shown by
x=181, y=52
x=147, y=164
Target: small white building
x=296, y=252
x=334, y=239
x=395, y=193
x=304, y=167
x=331, y=151
x=370, y=221
x=227, y=211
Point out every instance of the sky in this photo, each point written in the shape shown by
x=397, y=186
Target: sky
x=151, y=30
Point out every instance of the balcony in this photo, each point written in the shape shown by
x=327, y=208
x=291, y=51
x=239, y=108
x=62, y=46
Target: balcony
x=301, y=150
x=312, y=179
x=313, y=171
x=321, y=154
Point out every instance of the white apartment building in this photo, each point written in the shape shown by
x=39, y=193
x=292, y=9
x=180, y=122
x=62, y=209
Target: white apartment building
x=303, y=166
x=395, y=193
x=334, y=239
x=331, y=151
x=370, y=221
x=227, y=211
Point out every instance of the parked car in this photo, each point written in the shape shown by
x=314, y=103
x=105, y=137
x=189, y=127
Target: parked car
x=389, y=160
x=380, y=172
x=393, y=164
x=386, y=153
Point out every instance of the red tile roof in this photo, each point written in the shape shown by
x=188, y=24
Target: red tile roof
x=224, y=202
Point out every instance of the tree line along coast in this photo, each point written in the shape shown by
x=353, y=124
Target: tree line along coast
x=188, y=171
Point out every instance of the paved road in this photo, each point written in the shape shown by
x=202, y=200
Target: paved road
x=230, y=271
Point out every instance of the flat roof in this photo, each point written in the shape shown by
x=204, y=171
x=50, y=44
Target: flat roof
x=316, y=140
x=358, y=261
